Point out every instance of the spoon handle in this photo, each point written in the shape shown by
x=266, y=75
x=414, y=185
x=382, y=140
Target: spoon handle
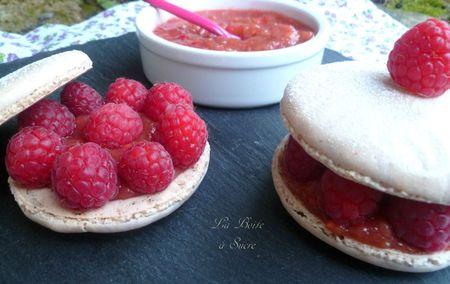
x=191, y=17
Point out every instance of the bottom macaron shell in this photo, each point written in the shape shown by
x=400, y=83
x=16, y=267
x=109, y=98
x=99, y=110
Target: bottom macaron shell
x=42, y=205
x=386, y=258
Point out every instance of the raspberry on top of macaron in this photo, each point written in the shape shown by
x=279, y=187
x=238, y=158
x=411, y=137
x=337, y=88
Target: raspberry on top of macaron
x=80, y=98
x=94, y=150
x=49, y=114
x=420, y=60
x=30, y=155
x=127, y=91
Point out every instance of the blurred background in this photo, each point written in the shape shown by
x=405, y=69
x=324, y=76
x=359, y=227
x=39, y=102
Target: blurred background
x=410, y=12
x=21, y=16
x=361, y=29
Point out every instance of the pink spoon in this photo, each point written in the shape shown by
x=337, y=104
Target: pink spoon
x=192, y=18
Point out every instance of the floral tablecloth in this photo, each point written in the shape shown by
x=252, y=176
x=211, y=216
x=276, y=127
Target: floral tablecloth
x=358, y=29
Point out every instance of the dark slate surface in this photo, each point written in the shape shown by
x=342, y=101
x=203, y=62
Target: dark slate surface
x=184, y=246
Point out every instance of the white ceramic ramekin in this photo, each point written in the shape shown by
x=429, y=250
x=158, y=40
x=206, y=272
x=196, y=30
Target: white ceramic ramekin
x=224, y=78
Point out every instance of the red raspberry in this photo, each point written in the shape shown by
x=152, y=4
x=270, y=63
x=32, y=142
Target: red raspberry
x=127, y=91
x=183, y=133
x=420, y=60
x=163, y=94
x=146, y=167
x=113, y=125
x=299, y=164
x=85, y=176
x=347, y=202
x=30, y=155
x=49, y=114
x=423, y=225
x=80, y=98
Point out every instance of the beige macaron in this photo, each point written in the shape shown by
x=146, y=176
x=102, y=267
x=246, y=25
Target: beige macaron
x=353, y=119
x=33, y=82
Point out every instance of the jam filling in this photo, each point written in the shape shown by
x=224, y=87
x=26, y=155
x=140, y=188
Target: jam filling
x=258, y=30
x=77, y=137
x=375, y=231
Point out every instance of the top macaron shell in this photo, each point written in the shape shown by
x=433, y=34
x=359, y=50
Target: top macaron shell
x=35, y=81
x=351, y=117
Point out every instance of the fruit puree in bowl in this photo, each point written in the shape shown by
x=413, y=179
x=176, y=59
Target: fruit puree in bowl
x=249, y=72
x=259, y=30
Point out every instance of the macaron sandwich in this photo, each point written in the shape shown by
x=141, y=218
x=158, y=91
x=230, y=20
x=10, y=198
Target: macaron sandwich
x=366, y=164
x=94, y=164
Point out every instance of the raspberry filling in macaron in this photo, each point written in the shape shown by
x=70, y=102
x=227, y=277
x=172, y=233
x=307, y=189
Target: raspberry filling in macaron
x=90, y=153
x=358, y=212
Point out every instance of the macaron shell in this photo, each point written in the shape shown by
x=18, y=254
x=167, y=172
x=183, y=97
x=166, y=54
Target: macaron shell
x=31, y=83
x=352, y=118
x=42, y=205
x=386, y=258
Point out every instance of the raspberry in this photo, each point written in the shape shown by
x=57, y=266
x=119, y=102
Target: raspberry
x=127, y=91
x=163, y=94
x=299, y=164
x=49, y=114
x=347, y=202
x=30, y=155
x=85, y=176
x=422, y=225
x=183, y=133
x=146, y=167
x=80, y=98
x=113, y=125
x=420, y=60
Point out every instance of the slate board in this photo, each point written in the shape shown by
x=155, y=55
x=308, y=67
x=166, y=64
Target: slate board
x=184, y=247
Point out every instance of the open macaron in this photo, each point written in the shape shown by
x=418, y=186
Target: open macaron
x=366, y=166
x=56, y=208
